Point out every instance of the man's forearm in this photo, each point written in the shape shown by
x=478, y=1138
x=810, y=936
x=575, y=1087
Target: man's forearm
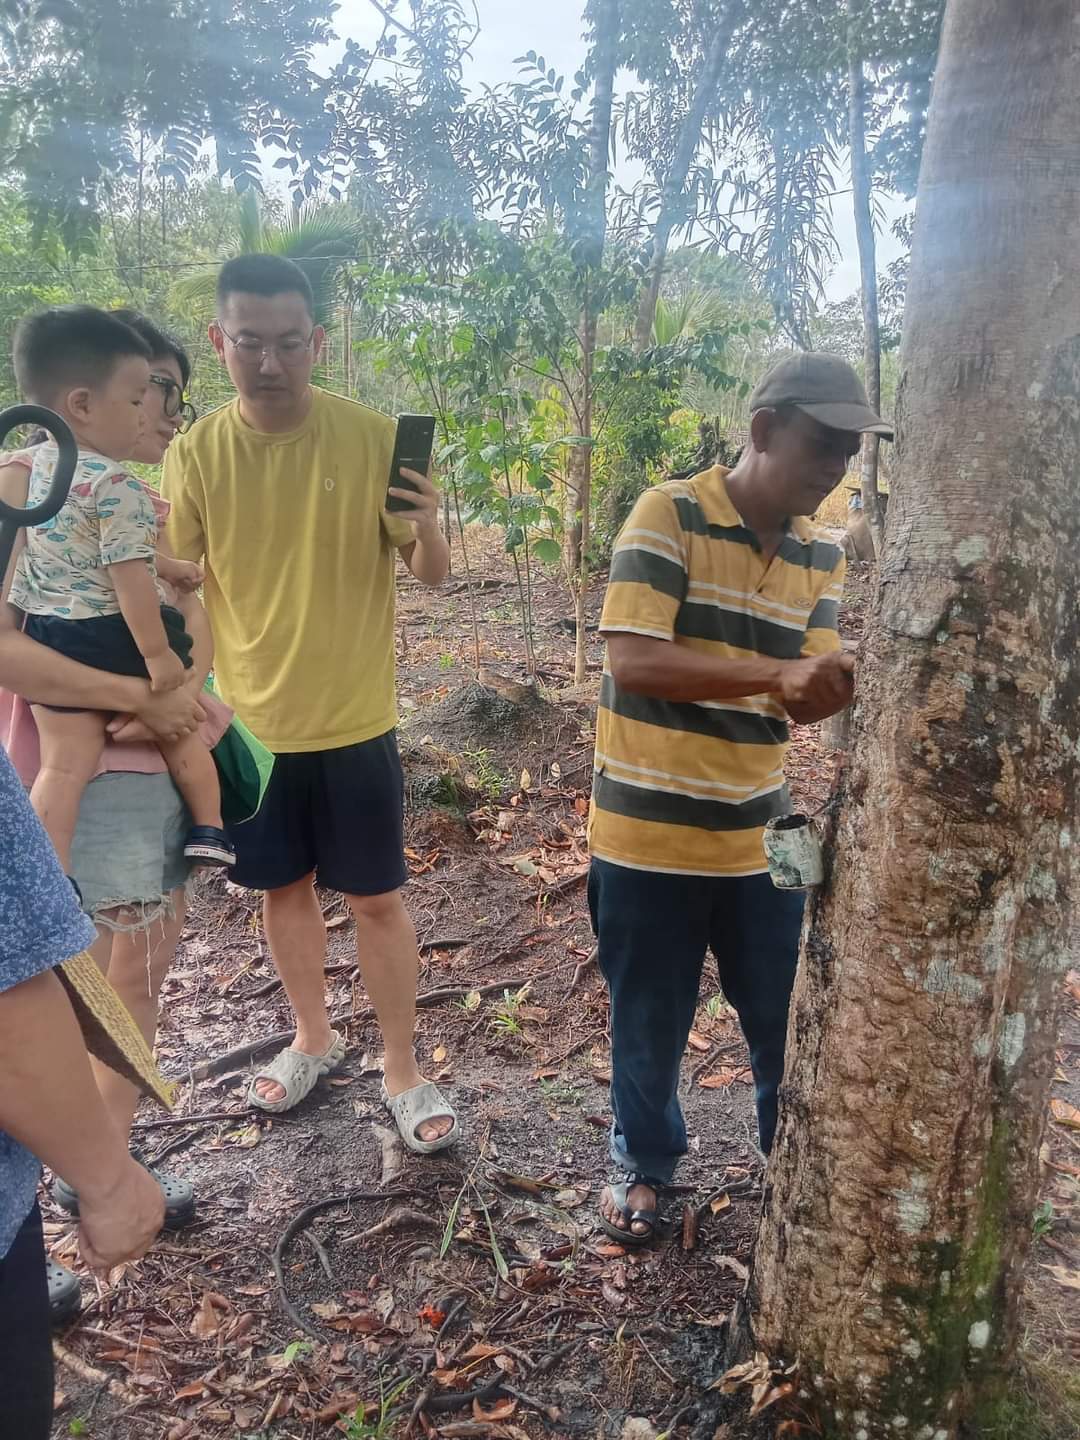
x=428, y=557
x=48, y=1099
x=675, y=672
x=44, y=677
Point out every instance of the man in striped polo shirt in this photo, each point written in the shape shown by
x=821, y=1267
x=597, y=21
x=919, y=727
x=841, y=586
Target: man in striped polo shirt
x=720, y=620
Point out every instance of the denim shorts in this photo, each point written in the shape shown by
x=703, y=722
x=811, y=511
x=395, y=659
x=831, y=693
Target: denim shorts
x=129, y=846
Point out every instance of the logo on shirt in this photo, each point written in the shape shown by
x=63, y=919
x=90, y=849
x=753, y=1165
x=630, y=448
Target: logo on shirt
x=328, y=484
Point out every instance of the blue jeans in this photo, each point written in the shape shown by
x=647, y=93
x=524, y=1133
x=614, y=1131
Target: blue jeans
x=653, y=931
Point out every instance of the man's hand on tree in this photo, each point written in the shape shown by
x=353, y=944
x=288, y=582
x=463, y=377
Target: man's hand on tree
x=818, y=686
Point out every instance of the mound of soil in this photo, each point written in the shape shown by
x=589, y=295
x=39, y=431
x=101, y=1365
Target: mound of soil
x=476, y=741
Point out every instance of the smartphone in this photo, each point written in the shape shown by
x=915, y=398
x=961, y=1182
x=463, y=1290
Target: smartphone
x=412, y=448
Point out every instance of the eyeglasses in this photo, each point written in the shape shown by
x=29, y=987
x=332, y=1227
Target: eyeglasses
x=253, y=352
x=173, y=402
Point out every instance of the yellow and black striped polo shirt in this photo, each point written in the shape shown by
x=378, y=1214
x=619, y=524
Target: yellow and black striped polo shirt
x=687, y=787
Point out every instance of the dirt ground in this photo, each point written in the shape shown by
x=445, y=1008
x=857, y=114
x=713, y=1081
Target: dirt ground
x=473, y=1292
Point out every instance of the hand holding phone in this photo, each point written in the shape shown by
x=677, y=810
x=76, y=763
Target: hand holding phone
x=412, y=449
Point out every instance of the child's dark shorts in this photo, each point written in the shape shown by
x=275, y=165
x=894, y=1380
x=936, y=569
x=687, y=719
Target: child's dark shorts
x=104, y=642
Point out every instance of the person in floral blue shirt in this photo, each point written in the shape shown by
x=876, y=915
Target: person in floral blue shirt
x=51, y=1110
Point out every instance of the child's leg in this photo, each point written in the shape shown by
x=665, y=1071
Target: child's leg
x=193, y=770
x=71, y=744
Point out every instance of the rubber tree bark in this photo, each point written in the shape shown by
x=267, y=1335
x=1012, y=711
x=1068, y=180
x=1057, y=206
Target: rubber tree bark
x=868, y=290
x=899, y=1197
x=671, y=198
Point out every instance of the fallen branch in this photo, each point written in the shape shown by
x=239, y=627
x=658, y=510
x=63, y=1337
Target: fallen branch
x=267, y=987
x=403, y=1215
x=580, y=968
x=549, y=1412
x=550, y=1361
x=689, y=1227
x=320, y=1250
x=180, y=1143
x=392, y=1153
x=242, y=1054
x=116, y=1388
x=299, y=1223
x=458, y=1400
x=204, y=1119
x=564, y=1055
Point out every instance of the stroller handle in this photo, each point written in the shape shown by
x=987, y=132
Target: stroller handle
x=12, y=517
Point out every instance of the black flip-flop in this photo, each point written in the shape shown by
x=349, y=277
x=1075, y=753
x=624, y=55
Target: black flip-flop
x=179, y=1196
x=620, y=1190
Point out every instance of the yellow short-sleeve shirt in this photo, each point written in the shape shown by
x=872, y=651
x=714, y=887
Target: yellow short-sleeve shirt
x=687, y=787
x=300, y=558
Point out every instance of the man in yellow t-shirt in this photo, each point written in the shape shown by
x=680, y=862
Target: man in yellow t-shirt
x=720, y=620
x=281, y=495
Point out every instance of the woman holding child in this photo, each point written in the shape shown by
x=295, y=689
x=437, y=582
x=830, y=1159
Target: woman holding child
x=127, y=856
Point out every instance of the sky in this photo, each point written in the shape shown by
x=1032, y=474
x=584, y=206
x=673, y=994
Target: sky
x=553, y=28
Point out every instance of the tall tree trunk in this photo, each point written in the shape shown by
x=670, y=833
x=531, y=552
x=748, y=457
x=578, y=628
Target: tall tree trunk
x=606, y=30
x=864, y=233
x=899, y=1198
x=674, y=182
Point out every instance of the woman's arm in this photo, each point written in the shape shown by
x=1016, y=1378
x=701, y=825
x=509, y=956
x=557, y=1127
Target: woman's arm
x=49, y=1102
x=43, y=677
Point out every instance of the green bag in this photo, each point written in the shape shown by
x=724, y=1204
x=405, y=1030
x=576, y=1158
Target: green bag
x=244, y=766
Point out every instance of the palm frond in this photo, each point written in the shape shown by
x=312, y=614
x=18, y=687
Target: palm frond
x=321, y=239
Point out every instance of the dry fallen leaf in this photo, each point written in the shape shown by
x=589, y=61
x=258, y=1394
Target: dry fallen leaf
x=501, y=1410
x=206, y=1321
x=698, y=1042
x=245, y=1139
x=1065, y=1114
x=721, y=1202
x=720, y=1081
x=767, y=1395
x=526, y=780
x=326, y=1309
x=438, y=1055
x=1069, y=1278
x=480, y=1351
x=189, y=1392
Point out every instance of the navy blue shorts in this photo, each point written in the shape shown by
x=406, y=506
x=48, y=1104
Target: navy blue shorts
x=104, y=642
x=336, y=814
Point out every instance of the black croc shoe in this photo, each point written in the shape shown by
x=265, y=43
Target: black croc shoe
x=179, y=1195
x=65, y=1293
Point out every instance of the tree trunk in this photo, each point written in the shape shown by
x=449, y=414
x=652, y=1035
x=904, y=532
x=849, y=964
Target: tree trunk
x=864, y=233
x=899, y=1198
x=606, y=30
x=675, y=180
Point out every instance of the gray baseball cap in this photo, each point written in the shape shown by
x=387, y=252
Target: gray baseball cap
x=826, y=387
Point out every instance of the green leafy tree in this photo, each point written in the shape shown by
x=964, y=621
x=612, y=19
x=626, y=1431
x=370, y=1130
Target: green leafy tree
x=89, y=91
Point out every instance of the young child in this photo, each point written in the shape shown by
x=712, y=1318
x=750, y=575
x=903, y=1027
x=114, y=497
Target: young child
x=88, y=580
